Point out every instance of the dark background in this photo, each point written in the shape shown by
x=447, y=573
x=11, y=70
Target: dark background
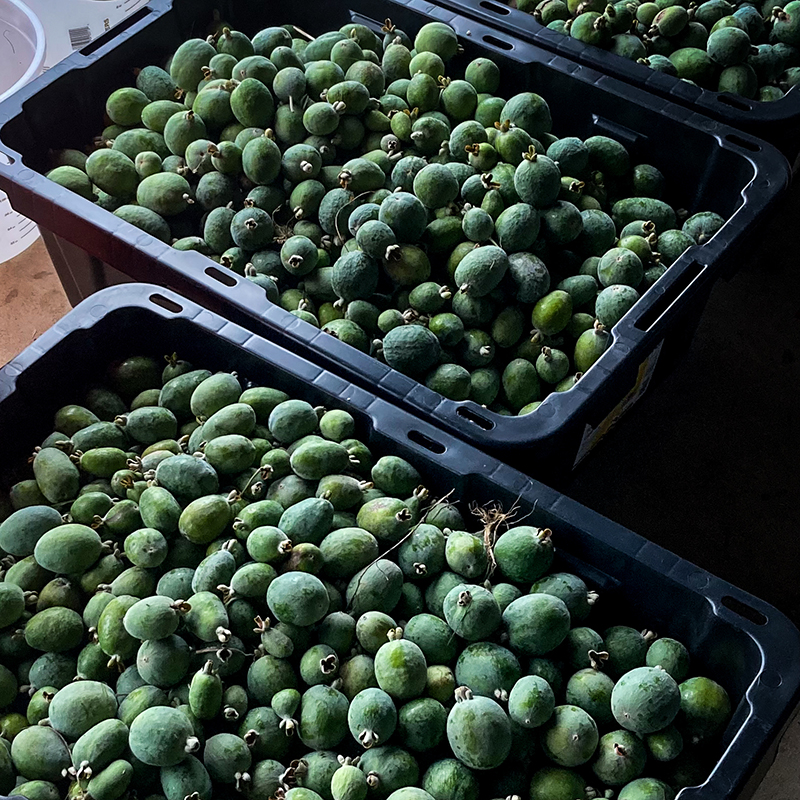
x=706, y=464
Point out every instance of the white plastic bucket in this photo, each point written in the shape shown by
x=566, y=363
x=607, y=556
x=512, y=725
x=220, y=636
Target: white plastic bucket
x=70, y=25
x=22, y=49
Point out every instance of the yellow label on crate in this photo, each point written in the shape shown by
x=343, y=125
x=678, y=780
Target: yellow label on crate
x=591, y=436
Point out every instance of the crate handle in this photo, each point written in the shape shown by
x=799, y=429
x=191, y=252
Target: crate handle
x=734, y=102
x=739, y=140
x=494, y=8
x=476, y=419
x=220, y=276
x=426, y=441
x=101, y=41
x=496, y=42
x=165, y=303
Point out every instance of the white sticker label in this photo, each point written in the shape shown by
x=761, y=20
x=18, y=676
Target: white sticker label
x=591, y=436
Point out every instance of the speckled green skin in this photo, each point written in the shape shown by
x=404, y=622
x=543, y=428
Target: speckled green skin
x=570, y=737
x=645, y=700
x=479, y=733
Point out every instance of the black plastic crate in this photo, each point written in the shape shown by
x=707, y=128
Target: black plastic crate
x=748, y=646
x=777, y=122
x=709, y=166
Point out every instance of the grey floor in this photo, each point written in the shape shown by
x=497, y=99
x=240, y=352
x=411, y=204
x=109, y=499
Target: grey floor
x=707, y=463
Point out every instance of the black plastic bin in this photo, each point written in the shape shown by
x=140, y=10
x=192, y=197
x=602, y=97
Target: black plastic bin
x=777, y=122
x=740, y=641
x=708, y=165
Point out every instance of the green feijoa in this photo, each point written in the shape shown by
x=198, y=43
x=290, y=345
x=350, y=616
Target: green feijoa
x=147, y=163
x=161, y=736
x=386, y=518
x=150, y=424
x=252, y=580
x=569, y=588
x=338, y=631
x=322, y=718
x=421, y=725
x=71, y=419
x=481, y=270
x=517, y=227
x=342, y=491
x=648, y=788
x=570, y=737
x=134, y=581
x=537, y=180
x=432, y=635
x=479, y=732
x=435, y=186
x=665, y=745
x=582, y=289
x=204, y=519
x=531, y=701
x=230, y=454
x=670, y=655
x=166, y=193
x=521, y=384
x=405, y=215
x=377, y=587
x=530, y=275
x=268, y=544
x=163, y=662
x=185, y=778
x=395, y=476
x=613, y=303
x=523, y=553
x=644, y=208
x=238, y=418
x=536, y=623
x=113, y=172
x=597, y=233
x=400, y=669
x=621, y=757
x=146, y=220
x=206, y=614
x=159, y=510
x=39, y=753
x=298, y=598
x=705, y=708
x=411, y=349
x=487, y=669
x=205, y=692
x=291, y=420
x=254, y=515
x=645, y=700
x=422, y=555
x=261, y=160
x=73, y=179
x=152, y=618
x=471, y=611
x=590, y=690
x=308, y=520
x=347, y=550
x=226, y=756
x=290, y=490
x=101, y=744
x=448, y=328
x=477, y=225
x=579, y=648
x=12, y=603
x=319, y=665
x=552, y=365
x=466, y=554
x=68, y=549
x=702, y=227
x=51, y=670
x=316, y=459
x=552, y=313
x=263, y=400
x=252, y=228
x=671, y=244
x=505, y=593
x=373, y=630
x=441, y=683
x=590, y=346
x=627, y=649
x=59, y=592
x=57, y=477
x=20, y=532
x=80, y=706
x=450, y=380
x=112, y=782
x=620, y=266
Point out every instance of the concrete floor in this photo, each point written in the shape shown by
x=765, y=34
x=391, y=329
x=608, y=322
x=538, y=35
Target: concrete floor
x=716, y=481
